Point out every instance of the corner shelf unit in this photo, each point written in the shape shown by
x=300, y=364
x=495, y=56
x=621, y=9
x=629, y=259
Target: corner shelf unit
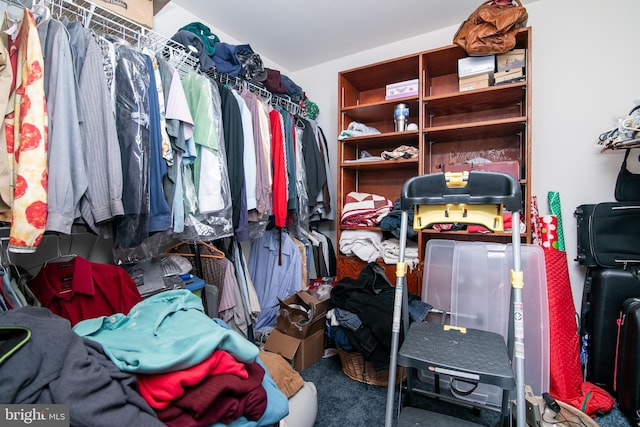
x=454, y=127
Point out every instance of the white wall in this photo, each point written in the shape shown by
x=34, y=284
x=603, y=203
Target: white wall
x=585, y=74
x=584, y=78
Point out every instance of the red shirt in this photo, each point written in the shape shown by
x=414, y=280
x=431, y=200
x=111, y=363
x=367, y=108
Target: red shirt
x=279, y=169
x=79, y=289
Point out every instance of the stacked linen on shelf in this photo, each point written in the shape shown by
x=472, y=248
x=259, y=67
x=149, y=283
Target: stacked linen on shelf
x=364, y=209
x=390, y=250
x=365, y=244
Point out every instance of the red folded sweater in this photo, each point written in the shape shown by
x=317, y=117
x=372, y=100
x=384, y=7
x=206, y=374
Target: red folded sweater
x=219, y=398
x=160, y=389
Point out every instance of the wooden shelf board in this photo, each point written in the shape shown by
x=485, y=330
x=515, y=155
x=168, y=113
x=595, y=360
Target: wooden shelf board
x=478, y=99
x=383, y=110
x=488, y=128
x=381, y=164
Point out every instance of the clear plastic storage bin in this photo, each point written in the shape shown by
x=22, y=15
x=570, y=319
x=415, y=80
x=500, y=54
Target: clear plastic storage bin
x=471, y=280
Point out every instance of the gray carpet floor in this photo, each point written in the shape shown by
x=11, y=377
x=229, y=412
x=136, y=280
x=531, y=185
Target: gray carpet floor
x=343, y=402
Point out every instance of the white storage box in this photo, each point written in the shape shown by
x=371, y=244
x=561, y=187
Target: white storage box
x=402, y=89
x=472, y=65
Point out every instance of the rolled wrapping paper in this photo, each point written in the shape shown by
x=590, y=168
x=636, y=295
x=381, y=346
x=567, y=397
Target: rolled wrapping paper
x=548, y=226
x=536, y=235
x=554, y=209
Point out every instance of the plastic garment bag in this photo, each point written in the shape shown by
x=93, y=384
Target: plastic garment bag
x=301, y=180
x=132, y=123
x=207, y=195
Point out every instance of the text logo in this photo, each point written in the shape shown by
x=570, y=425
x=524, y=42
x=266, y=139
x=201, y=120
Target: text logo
x=40, y=415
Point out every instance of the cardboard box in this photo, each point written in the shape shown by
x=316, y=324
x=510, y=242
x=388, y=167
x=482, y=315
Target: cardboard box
x=511, y=167
x=402, y=89
x=302, y=353
x=513, y=59
x=508, y=76
x=474, y=82
x=296, y=323
x=140, y=11
x=474, y=65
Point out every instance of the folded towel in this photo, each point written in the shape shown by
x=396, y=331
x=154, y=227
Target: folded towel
x=365, y=244
x=390, y=251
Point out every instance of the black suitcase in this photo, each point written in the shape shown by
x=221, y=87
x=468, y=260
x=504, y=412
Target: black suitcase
x=608, y=234
x=605, y=289
x=628, y=363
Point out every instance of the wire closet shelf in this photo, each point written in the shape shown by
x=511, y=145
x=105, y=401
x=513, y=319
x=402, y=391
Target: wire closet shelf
x=104, y=21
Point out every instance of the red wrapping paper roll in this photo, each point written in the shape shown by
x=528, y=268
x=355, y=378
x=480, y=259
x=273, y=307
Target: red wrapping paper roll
x=549, y=231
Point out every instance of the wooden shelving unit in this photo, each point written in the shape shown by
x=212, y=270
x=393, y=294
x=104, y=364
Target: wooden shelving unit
x=453, y=127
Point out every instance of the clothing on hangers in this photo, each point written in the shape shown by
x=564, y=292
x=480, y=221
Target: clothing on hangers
x=261, y=139
x=273, y=280
x=234, y=148
x=131, y=227
x=27, y=157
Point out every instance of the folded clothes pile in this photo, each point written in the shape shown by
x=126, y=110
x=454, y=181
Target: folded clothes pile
x=401, y=152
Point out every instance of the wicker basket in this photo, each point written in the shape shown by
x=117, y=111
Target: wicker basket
x=355, y=367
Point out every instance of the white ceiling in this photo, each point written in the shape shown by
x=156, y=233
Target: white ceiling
x=298, y=34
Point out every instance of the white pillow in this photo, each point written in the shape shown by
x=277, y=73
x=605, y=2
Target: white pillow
x=303, y=407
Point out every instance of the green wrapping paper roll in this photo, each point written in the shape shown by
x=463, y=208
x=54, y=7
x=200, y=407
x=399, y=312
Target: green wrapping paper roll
x=554, y=209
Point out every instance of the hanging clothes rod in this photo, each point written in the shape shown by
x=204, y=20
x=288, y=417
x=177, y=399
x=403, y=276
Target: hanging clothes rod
x=237, y=82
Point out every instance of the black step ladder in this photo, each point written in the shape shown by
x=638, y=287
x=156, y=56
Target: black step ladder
x=465, y=354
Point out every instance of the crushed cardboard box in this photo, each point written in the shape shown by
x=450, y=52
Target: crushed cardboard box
x=296, y=337
x=301, y=314
x=301, y=353
x=139, y=11
x=478, y=81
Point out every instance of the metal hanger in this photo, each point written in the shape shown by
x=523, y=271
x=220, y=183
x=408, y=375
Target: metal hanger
x=40, y=11
x=626, y=135
x=60, y=256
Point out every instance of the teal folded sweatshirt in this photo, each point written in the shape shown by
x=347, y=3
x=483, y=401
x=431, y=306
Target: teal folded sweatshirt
x=163, y=333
